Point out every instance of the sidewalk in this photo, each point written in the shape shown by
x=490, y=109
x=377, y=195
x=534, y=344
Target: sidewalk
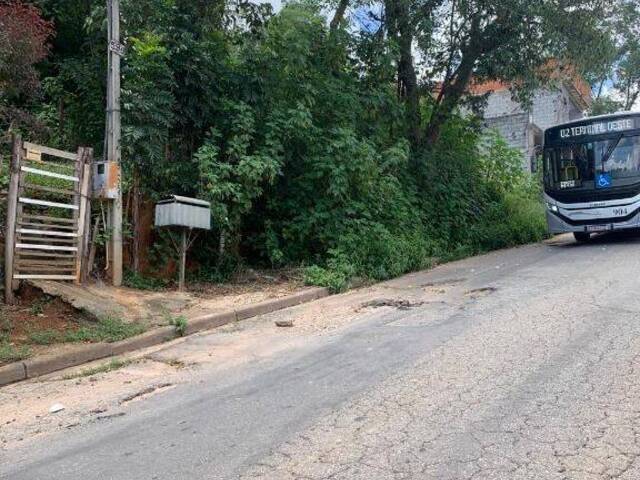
x=103, y=390
x=55, y=330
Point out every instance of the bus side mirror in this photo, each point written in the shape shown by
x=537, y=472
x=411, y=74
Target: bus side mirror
x=536, y=160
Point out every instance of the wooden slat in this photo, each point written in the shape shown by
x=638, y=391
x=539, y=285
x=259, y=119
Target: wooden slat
x=48, y=240
x=41, y=188
x=50, y=219
x=50, y=151
x=47, y=226
x=45, y=271
x=48, y=233
x=45, y=268
x=44, y=203
x=46, y=262
x=45, y=173
x=44, y=277
x=22, y=254
x=35, y=246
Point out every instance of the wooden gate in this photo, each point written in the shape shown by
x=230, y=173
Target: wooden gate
x=48, y=208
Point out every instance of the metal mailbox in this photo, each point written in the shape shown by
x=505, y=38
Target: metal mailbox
x=178, y=211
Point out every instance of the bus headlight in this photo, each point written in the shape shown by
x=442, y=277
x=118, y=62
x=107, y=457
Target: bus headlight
x=552, y=207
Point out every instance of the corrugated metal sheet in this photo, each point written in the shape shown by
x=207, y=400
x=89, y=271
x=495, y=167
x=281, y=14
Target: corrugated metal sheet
x=183, y=212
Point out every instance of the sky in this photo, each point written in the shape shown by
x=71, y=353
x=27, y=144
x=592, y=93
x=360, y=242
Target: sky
x=276, y=4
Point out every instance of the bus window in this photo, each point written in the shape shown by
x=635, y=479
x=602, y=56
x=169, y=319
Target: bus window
x=625, y=158
x=570, y=166
x=548, y=168
x=576, y=163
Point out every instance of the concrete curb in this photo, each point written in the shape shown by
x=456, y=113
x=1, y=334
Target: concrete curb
x=36, y=367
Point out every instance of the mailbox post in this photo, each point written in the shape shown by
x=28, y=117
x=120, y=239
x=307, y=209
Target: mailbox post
x=186, y=214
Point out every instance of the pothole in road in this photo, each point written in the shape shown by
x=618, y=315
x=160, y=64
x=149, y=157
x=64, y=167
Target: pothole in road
x=146, y=392
x=400, y=304
x=444, y=283
x=480, y=292
x=441, y=287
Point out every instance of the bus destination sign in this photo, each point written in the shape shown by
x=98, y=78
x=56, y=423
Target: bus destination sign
x=598, y=128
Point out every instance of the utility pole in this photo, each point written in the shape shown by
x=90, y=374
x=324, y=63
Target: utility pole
x=116, y=50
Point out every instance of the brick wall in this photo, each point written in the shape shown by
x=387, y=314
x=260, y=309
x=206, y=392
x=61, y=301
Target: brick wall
x=515, y=129
x=549, y=107
x=522, y=127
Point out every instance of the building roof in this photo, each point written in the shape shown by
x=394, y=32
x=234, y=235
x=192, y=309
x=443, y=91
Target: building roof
x=577, y=87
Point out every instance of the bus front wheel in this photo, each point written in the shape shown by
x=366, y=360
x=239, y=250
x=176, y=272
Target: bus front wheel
x=581, y=237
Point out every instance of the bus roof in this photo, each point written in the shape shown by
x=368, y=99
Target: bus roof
x=608, y=116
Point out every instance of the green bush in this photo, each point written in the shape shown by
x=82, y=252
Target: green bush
x=475, y=196
x=335, y=278
x=143, y=282
x=516, y=220
x=180, y=324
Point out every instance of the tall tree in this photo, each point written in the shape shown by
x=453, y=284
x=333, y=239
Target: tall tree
x=463, y=41
x=23, y=43
x=621, y=69
x=400, y=23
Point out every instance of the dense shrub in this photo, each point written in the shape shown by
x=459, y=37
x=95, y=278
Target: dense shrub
x=474, y=196
x=295, y=133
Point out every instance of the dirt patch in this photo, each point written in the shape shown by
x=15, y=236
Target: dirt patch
x=35, y=312
x=391, y=302
x=44, y=324
x=246, y=288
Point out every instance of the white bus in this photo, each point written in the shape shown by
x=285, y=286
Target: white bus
x=592, y=175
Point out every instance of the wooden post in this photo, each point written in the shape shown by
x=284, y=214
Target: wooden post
x=86, y=237
x=83, y=214
x=113, y=133
x=12, y=211
x=183, y=260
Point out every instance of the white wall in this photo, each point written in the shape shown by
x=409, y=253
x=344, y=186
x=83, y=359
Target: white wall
x=549, y=107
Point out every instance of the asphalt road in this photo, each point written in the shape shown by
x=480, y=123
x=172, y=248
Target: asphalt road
x=526, y=368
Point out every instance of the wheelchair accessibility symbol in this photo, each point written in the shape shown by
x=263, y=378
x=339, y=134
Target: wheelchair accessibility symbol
x=603, y=180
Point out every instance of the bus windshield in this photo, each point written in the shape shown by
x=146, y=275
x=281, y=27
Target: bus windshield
x=575, y=166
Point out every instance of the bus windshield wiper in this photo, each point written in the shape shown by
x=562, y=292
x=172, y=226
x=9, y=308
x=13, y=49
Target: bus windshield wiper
x=611, y=148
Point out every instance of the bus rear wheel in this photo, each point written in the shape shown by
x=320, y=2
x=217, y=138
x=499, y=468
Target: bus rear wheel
x=581, y=237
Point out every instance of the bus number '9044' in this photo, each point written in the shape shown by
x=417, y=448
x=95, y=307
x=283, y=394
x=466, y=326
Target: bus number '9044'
x=620, y=211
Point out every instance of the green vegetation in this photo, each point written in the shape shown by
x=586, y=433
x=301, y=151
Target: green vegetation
x=143, y=282
x=105, y=330
x=328, y=144
x=12, y=353
x=114, y=364
x=37, y=306
x=180, y=324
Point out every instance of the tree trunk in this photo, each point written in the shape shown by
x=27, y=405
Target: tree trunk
x=339, y=15
x=451, y=96
x=222, y=246
x=456, y=86
x=399, y=27
x=136, y=221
